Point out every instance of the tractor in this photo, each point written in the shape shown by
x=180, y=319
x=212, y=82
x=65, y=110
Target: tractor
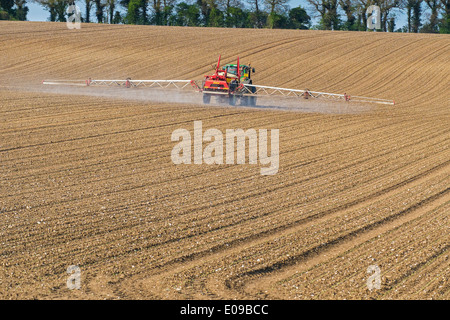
x=230, y=83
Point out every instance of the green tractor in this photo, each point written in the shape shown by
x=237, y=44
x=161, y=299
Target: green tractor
x=231, y=83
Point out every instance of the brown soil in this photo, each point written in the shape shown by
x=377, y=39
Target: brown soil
x=87, y=177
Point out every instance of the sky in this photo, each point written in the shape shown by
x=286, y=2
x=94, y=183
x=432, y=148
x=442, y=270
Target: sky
x=38, y=13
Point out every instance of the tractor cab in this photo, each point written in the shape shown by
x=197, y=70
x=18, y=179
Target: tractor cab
x=232, y=72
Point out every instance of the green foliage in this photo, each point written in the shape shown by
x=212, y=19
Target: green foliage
x=391, y=24
x=13, y=10
x=334, y=14
x=237, y=18
x=187, y=15
x=299, y=18
x=134, y=13
x=7, y=6
x=216, y=18
x=57, y=9
x=117, y=18
x=444, y=24
x=330, y=21
x=4, y=15
x=257, y=19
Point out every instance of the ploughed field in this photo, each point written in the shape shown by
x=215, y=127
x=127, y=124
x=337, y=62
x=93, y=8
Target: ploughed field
x=88, y=179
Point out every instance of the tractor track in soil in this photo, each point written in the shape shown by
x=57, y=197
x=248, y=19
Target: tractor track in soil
x=308, y=259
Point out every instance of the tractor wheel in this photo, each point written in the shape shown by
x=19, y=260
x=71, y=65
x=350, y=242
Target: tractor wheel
x=232, y=100
x=206, y=98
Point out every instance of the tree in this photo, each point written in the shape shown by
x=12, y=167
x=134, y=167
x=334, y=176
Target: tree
x=133, y=16
x=417, y=11
x=331, y=19
x=3, y=14
x=391, y=24
x=204, y=11
x=111, y=4
x=137, y=11
x=99, y=8
x=124, y=4
x=237, y=18
x=57, y=8
x=257, y=17
x=13, y=9
x=187, y=15
x=349, y=8
x=225, y=6
x=167, y=11
x=157, y=12
x=299, y=18
x=277, y=21
x=328, y=11
x=275, y=5
x=211, y=15
x=386, y=7
x=144, y=11
x=21, y=10
x=444, y=25
x=432, y=25
x=409, y=7
x=361, y=7
x=216, y=17
x=88, y=7
x=7, y=6
x=117, y=18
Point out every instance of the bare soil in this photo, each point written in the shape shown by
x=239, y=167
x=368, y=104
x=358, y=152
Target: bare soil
x=87, y=177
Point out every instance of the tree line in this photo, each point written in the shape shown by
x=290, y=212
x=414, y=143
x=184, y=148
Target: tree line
x=430, y=16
